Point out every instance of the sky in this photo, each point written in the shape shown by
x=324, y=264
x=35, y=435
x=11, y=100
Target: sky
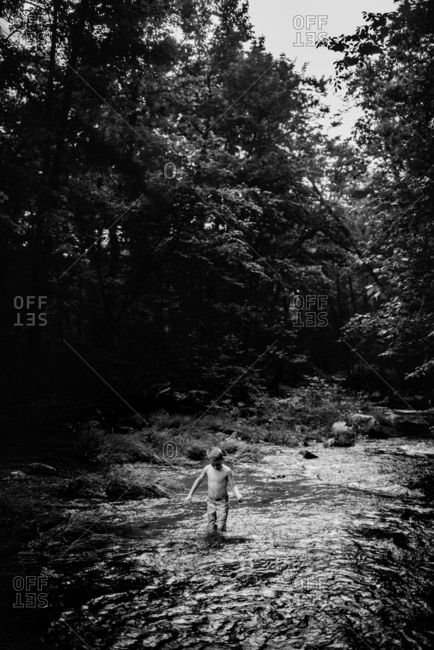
x=291, y=27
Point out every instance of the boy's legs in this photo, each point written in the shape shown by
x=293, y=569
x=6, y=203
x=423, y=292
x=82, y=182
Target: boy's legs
x=222, y=515
x=212, y=516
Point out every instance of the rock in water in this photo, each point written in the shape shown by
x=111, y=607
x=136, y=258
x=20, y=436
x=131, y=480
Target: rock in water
x=386, y=417
x=307, y=454
x=41, y=469
x=340, y=427
x=344, y=435
x=17, y=475
x=362, y=422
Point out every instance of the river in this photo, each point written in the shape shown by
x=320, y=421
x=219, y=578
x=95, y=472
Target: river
x=330, y=552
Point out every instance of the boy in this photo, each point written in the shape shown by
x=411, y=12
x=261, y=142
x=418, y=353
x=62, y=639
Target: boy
x=219, y=478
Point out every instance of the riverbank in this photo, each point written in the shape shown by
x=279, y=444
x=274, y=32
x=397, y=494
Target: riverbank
x=330, y=549
x=322, y=553
x=93, y=461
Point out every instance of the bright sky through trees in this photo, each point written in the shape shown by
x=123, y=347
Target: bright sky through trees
x=292, y=28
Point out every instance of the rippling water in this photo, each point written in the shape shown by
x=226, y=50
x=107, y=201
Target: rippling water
x=333, y=552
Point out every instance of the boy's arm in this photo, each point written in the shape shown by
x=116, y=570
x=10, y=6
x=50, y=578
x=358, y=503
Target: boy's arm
x=233, y=487
x=196, y=484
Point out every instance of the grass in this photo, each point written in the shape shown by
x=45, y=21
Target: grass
x=130, y=461
x=95, y=445
x=306, y=414
x=129, y=482
x=155, y=444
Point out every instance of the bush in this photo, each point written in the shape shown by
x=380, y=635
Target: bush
x=128, y=448
x=247, y=454
x=286, y=420
x=86, y=485
x=95, y=445
x=127, y=482
x=196, y=452
x=230, y=446
x=92, y=441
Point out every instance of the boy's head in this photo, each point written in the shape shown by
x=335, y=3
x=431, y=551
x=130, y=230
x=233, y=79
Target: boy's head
x=215, y=456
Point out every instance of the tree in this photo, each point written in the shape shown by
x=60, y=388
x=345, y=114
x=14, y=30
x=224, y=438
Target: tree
x=168, y=186
x=388, y=66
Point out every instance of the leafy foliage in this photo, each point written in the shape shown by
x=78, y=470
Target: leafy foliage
x=168, y=186
x=388, y=67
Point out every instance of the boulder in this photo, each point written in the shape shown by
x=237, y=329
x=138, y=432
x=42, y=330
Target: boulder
x=344, y=436
x=410, y=422
x=17, y=475
x=379, y=432
x=402, y=422
x=340, y=427
x=386, y=417
x=362, y=422
x=40, y=469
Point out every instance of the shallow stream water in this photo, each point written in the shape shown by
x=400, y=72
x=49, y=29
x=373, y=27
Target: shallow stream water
x=331, y=552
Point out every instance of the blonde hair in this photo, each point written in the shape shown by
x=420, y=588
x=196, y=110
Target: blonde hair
x=215, y=453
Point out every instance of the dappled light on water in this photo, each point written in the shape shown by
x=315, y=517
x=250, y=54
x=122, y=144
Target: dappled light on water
x=332, y=552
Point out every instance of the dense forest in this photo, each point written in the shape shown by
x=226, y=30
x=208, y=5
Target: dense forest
x=177, y=219
x=199, y=265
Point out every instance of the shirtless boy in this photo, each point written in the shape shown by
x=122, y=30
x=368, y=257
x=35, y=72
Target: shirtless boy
x=219, y=479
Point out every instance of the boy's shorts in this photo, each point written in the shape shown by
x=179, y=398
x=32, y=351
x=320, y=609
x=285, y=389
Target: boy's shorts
x=218, y=511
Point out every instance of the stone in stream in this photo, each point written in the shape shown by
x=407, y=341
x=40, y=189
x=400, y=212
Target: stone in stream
x=40, y=469
x=414, y=422
x=343, y=435
x=362, y=422
x=17, y=475
x=386, y=417
x=307, y=454
x=383, y=427
x=401, y=422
